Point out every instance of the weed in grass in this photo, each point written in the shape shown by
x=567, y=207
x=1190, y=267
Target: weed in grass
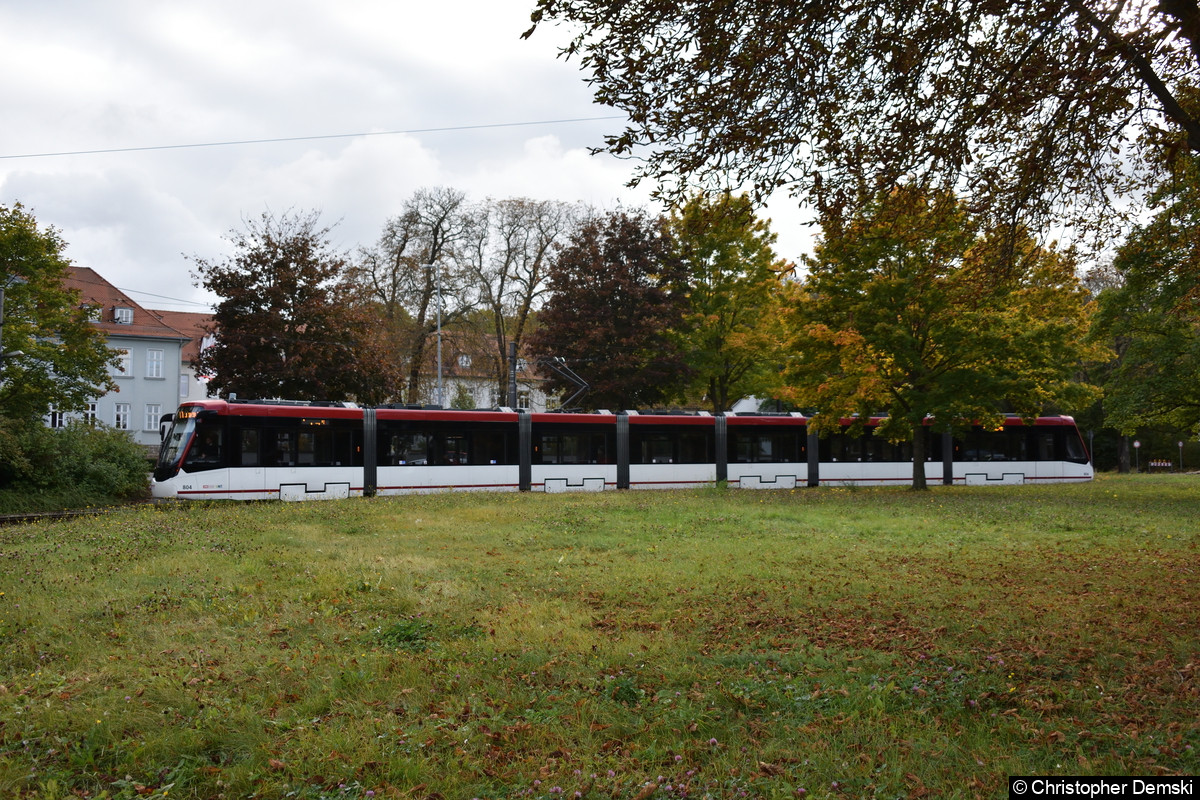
x=409, y=634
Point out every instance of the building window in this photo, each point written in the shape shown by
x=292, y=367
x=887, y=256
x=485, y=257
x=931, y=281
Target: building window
x=121, y=416
x=56, y=418
x=154, y=363
x=153, y=413
x=184, y=386
x=124, y=363
x=464, y=361
x=122, y=315
x=523, y=398
x=89, y=416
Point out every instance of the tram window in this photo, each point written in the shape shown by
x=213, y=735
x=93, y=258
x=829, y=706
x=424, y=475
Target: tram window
x=206, y=450
x=248, y=447
x=1018, y=443
x=753, y=449
x=1075, y=448
x=657, y=448
x=745, y=449
x=601, y=448
x=1044, y=445
x=453, y=450
x=877, y=449
x=670, y=445
x=548, y=450
x=563, y=449
x=489, y=448
x=406, y=449
x=981, y=445
x=841, y=447
x=695, y=448
x=343, y=448
x=326, y=447
x=307, y=456
x=763, y=448
x=874, y=448
x=571, y=450
x=933, y=445
x=279, y=448
x=553, y=447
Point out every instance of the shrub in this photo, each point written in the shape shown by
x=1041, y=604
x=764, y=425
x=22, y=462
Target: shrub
x=80, y=464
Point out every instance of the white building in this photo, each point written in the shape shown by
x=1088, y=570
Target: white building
x=149, y=377
x=195, y=326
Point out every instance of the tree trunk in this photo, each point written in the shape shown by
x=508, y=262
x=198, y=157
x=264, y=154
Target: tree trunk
x=1123, y=455
x=416, y=361
x=920, y=443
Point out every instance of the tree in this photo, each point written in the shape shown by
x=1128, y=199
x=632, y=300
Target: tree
x=1149, y=312
x=402, y=272
x=50, y=353
x=288, y=324
x=1024, y=107
x=612, y=306
x=506, y=253
x=910, y=312
x=733, y=276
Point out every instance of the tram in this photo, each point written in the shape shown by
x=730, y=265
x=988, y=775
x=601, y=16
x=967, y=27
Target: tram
x=266, y=450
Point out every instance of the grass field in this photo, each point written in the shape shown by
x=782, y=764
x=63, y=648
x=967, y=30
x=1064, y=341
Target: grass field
x=816, y=643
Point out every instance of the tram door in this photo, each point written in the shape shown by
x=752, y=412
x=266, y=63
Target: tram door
x=1049, y=463
x=248, y=455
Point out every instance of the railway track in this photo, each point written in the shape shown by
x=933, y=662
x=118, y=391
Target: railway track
x=50, y=516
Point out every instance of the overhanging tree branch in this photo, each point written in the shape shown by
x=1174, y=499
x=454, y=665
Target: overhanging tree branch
x=1145, y=72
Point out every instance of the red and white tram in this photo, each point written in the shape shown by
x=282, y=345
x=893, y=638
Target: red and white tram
x=258, y=450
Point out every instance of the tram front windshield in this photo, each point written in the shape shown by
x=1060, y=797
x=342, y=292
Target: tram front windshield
x=173, y=447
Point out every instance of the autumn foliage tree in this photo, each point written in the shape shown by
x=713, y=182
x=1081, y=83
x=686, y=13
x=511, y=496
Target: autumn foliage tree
x=910, y=311
x=733, y=278
x=1025, y=108
x=614, y=300
x=288, y=324
x=1150, y=314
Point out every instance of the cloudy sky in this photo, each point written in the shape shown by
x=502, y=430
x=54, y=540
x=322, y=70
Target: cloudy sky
x=430, y=94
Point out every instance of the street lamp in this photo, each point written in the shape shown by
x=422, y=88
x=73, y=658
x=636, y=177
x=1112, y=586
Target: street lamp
x=438, y=282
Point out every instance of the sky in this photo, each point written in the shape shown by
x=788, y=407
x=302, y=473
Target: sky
x=412, y=95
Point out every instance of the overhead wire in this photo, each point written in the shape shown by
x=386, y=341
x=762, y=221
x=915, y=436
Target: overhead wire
x=318, y=137
x=285, y=139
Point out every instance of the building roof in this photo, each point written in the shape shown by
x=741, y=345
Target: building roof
x=193, y=324
x=101, y=294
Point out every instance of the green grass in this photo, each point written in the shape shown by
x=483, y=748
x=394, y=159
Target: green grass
x=849, y=643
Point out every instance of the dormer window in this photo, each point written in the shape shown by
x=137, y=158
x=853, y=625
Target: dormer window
x=464, y=361
x=122, y=315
